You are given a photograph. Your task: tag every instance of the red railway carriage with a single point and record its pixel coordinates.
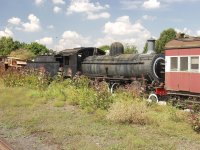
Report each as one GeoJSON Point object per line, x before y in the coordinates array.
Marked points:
{"type": "Point", "coordinates": [182, 71]}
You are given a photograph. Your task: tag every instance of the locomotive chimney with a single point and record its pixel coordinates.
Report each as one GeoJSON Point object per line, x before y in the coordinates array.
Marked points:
{"type": "Point", "coordinates": [151, 45]}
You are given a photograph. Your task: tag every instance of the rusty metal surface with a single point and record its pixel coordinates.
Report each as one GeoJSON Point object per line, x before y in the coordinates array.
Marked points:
{"type": "Point", "coordinates": [4, 145]}
{"type": "Point", "coordinates": [125, 65]}
{"type": "Point", "coordinates": [116, 49]}
{"type": "Point", "coordinates": [183, 43]}
{"type": "Point", "coordinates": [48, 62]}
{"type": "Point", "coordinates": [68, 52]}
{"type": "Point", "coordinates": [182, 52]}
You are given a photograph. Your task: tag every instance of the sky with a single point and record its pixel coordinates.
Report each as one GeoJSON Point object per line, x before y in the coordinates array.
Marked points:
{"type": "Point", "coordinates": [63, 24]}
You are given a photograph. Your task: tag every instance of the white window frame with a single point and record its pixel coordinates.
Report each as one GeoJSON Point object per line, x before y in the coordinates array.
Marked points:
{"type": "Point", "coordinates": [194, 70]}
{"type": "Point", "coordinates": [168, 64]}
{"type": "Point", "coordinates": [174, 70]}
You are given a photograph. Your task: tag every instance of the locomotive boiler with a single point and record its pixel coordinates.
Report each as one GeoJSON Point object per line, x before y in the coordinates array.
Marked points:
{"type": "Point", "coordinates": [120, 66]}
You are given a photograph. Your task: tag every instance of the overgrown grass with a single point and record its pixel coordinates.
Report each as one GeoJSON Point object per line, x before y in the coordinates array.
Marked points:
{"type": "Point", "coordinates": [29, 78]}
{"type": "Point", "coordinates": [79, 92]}
{"type": "Point", "coordinates": [123, 120]}
{"type": "Point", "coordinates": [71, 128]}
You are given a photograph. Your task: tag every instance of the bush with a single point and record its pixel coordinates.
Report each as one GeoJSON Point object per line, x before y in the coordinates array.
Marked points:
{"type": "Point", "coordinates": [23, 54]}
{"type": "Point", "coordinates": [33, 79]}
{"type": "Point", "coordinates": [131, 112]}
{"type": "Point", "coordinates": [79, 92]}
{"type": "Point", "coordinates": [195, 122]}
{"type": "Point", "coordinates": [134, 90]}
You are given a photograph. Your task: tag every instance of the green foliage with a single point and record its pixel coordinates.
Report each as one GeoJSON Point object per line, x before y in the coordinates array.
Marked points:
{"type": "Point", "coordinates": [7, 45]}
{"type": "Point", "coordinates": [124, 106]}
{"type": "Point", "coordinates": [78, 92]}
{"type": "Point", "coordinates": [95, 98]}
{"type": "Point", "coordinates": [22, 54]}
{"type": "Point", "coordinates": [37, 49]}
{"type": "Point", "coordinates": [195, 122]}
{"type": "Point", "coordinates": [131, 123]}
{"type": "Point", "coordinates": [130, 49]}
{"type": "Point", "coordinates": [137, 111]}
{"type": "Point", "coordinates": [104, 47]}
{"type": "Point", "coordinates": [165, 36]}
{"type": "Point", "coordinates": [145, 49]}
{"type": "Point", "coordinates": [33, 79]}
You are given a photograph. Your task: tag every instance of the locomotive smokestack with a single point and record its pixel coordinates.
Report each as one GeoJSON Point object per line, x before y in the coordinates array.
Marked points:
{"type": "Point", "coordinates": [151, 45]}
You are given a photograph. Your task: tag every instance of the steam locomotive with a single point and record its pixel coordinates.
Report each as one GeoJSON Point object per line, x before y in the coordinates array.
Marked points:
{"type": "Point", "coordinates": [177, 72]}
{"type": "Point", "coordinates": [120, 66]}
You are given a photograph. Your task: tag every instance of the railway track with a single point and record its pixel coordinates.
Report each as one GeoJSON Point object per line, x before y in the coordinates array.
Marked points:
{"type": "Point", "coordinates": [4, 145]}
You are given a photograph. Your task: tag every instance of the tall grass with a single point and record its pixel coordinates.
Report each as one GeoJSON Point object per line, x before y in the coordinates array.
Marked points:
{"type": "Point", "coordinates": [126, 105]}
{"type": "Point", "coordinates": [30, 78]}
{"type": "Point", "coordinates": [80, 92]}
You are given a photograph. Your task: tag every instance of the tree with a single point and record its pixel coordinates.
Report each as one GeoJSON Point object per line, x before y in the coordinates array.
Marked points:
{"type": "Point", "coordinates": [7, 45]}
{"type": "Point", "coordinates": [36, 48]}
{"type": "Point", "coordinates": [23, 54]}
{"type": "Point", "coordinates": [165, 36]}
{"type": "Point", "coordinates": [130, 49]}
{"type": "Point", "coordinates": [104, 47]}
{"type": "Point", "coordinates": [145, 49]}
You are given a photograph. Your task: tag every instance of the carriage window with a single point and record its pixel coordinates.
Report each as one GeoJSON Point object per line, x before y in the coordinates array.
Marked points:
{"type": "Point", "coordinates": [184, 63]}
{"type": "Point", "coordinates": [174, 63]}
{"type": "Point", "coordinates": [195, 63]}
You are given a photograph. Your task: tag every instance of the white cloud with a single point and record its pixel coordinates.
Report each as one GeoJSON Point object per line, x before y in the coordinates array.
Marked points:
{"type": "Point", "coordinates": [188, 31]}
{"type": "Point", "coordinates": [33, 25]}
{"type": "Point", "coordinates": [107, 40]}
{"type": "Point", "coordinates": [147, 17]}
{"type": "Point", "coordinates": [151, 4]}
{"type": "Point", "coordinates": [14, 20]}
{"type": "Point", "coordinates": [7, 33]}
{"type": "Point", "coordinates": [147, 4]}
{"type": "Point", "coordinates": [178, 1]}
{"type": "Point", "coordinates": [198, 33]}
{"type": "Point", "coordinates": [130, 4]}
{"type": "Point", "coordinates": [50, 27]}
{"type": "Point", "coordinates": [125, 31]}
{"type": "Point", "coordinates": [57, 9]}
{"type": "Point", "coordinates": [184, 30]}
{"type": "Point", "coordinates": [39, 2]}
{"type": "Point", "coordinates": [122, 26]}
{"type": "Point", "coordinates": [58, 1]}
{"type": "Point", "coordinates": [45, 41]}
{"type": "Point", "coordinates": [71, 39]}
{"type": "Point", "coordinates": [92, 16]}
{"type": "Point", "coordinates": [91, 10]}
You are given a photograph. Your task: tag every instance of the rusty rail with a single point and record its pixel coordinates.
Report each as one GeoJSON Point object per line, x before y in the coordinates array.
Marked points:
{"type": "Point", "coordinates": [4, 145]}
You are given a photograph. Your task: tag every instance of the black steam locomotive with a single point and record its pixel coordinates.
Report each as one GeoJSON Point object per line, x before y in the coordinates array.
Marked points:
{"type": "Point", "coordinates": [115, 67]}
